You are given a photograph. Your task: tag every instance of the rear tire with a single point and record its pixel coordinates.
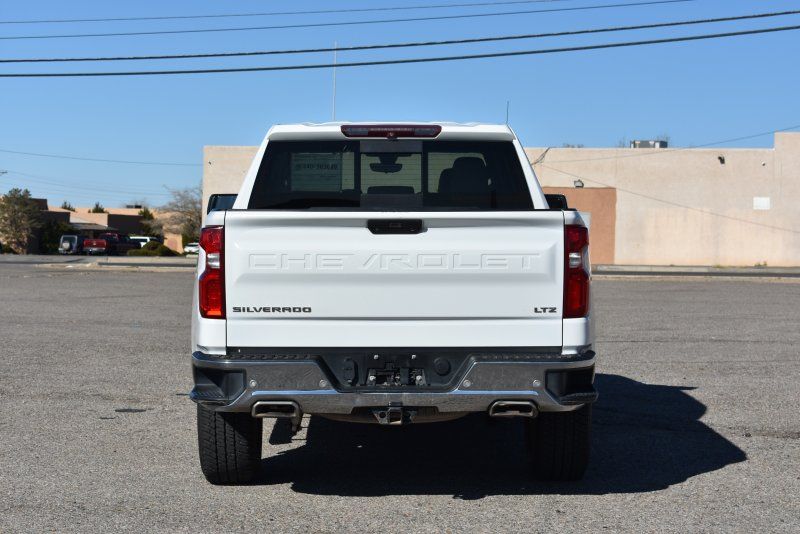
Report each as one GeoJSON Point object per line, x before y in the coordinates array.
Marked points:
{"type": "Point", "coordinates": [560, 443]}
{"type": "Point", "coordinates": [230, 446]}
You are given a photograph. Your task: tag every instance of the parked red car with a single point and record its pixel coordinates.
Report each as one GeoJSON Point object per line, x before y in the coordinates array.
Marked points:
{"type": "Point", "coordinates": [109, 243]}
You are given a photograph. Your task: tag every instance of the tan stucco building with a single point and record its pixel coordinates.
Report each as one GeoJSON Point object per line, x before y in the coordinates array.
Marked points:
{"type": "Point", "coordinates": [709, 206]}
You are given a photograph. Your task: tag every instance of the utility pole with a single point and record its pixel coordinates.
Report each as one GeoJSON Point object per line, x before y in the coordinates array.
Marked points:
{"type": "Point", "coordinates": [507, 106]}
{"type": "Point", "coordinates": [334, 81]}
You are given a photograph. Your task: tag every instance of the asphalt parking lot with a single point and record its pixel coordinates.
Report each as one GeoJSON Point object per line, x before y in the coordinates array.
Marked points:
{"type": "Point", "coordinates": [696, 427]}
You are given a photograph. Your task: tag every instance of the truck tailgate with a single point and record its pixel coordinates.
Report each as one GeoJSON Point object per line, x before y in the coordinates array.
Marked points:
{"type": "Point", "coordinates": [323, 279]}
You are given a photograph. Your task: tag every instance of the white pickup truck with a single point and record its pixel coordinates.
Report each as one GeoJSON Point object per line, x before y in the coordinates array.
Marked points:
{"type": "Point", "coordinates": [392, 274]}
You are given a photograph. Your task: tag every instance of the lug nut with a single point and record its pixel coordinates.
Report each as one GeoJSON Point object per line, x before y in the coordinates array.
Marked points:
{"type": "Point", "coordinates": [253, 383]}
{"type": "Point", "coordinates": [467, 383]}
{"type": "Point", "coordinates": [375, 357]}
{"type": "Point", "coordinates": [536, 383]}
{"type": "Point", "coordinates": [323, 383]}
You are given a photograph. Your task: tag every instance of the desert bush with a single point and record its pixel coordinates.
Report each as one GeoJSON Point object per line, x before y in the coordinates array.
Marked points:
{"type": "Point", "coordinates": [153, 248]}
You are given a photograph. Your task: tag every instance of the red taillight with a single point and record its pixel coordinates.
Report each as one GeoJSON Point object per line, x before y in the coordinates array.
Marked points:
{"type": "Point", "coordinates": [212, 281]}
{"type": "Point", "coordinates": [391, 131]}
{"type": "Point", "coordinates": [576, 278]}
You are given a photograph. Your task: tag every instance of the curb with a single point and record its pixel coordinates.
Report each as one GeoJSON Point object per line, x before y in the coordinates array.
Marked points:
{"type": "Point", "coordinates": [696, 271]}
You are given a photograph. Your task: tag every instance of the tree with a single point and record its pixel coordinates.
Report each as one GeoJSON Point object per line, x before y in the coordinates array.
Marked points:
{"type": "Point", "coordinates": [20, 217]}
{"type": "Point", "coordinates": [150, 225]}
{"type": "Point", "coordinates": [67, 206]}
{"type": "Point", "coordinates": [98, 208]}
{"type": "Point", "coordinates": [184, 212]}
{"type": "Point", "coordinates": [50, 238]}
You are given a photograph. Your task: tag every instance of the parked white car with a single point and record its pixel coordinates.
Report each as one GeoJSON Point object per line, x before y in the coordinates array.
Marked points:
{"type": "Point", "coordinates": [142, 239]}
{"type": "Point", "coordinates": [392, 273]}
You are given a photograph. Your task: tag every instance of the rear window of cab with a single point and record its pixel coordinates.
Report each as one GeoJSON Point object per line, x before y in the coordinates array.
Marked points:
{"type": "Point", "coordinates": [391, 175]}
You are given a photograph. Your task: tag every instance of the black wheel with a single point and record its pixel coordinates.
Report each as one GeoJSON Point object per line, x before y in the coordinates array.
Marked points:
{"type": "Point", "coordinates": [230, 446]}
{"type": "Point", "coordinates": [559, 444]}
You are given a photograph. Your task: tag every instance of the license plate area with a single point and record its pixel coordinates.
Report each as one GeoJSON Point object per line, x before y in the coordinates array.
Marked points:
{"type": "Point", "coordinates": [395, 369]}
{"type": "Point", "coordinates": [392, 377]}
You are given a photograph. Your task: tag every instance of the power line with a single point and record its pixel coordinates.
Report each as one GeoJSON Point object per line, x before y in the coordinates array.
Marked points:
{"type": "Point", "coordinates": [280, 13]}
{"type": "Point", "coordinates": [80, 193]}
{"type": "Point", "coordinates": [87, 191]}
{"type": "Point", "coordinates": [676, 204]}
{"type": "Point", "coordinates": [52, 181]}
{"type": "Point", "coordinates": [672, 150]}
{"type": "Point", "coordinates": [25, 179]}
{"type": "Point", "coordinates": [47, 191]}
{"type": "Point", "coordinates": [413, 44]}
{"type": "Point", "coordinates": [346, 23]}
{"type": "Point", "coordinates": [401, 61]}
{"type": "Point", "coordinates": [61, 156]}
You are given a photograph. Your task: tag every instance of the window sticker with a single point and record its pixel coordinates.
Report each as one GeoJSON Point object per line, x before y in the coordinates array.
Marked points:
{"type": "Point", "coordinates": [316, 171]}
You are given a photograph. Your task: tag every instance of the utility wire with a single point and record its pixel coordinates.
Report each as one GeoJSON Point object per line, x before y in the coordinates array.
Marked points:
{"type": "Point", "coordinates": [57, 183]}
{"type": "Point", "coordinates": [280, 13]}
{"type": "Point", "coordinates": [671, 203]}
{"type": "Point", "coordinates": [347, 23]}
{"type": "Point", "coordinates": [60, 181]}
{"type": "Point", "coordinates": [86, 192]}
{"type": "Point", "coordinates": [73, 186]}
{"type": "Point", "coordinates": [61, 156]}
{"type": "Point", "coordinates": [412, 44]}
{"type": "Point", "coordinates": [672, 150]}
{"type": "Point", "coordinates": [401, 61]}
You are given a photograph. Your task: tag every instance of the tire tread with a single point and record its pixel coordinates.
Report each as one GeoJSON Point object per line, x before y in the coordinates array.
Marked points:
{"type": "Point", "coordinates": [229, 445]}
{"type": "Point", "coordinates": [560, 444]}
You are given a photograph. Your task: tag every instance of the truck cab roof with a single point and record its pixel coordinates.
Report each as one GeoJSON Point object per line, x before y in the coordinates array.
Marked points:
{"type": "Point", "coordinates": [451, 131]}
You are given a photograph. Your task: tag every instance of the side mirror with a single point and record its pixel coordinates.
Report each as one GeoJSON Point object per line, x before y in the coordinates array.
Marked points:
{"type": "Point", "coordinates": [557, 202]}
{"type": "Point", "coordinates": [220, 202]}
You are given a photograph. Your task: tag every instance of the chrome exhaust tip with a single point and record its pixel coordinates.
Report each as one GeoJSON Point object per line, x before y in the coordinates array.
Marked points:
{"type": "Point", "coordinates": [275, 409]}
{"type": "Point", "coordinates": [513, 409]}
{"type": "Point", "coordinates": [278, 410]}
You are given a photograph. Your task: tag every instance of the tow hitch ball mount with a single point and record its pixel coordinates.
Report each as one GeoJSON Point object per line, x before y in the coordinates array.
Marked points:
{"type": "Point", "coordinates": [394, 415]}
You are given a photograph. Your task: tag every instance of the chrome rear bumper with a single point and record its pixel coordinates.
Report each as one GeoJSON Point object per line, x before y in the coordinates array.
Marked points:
{"type": "Point", "coordinates": [236, 385]}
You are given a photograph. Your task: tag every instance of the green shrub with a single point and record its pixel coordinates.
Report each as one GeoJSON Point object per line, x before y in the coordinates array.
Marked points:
{"type": "Point", "coordinates": [50, 238]}
{"type": "Point", "coordinates": [152, 248]}
{"type": "Point", "coordinates": [164, 250]}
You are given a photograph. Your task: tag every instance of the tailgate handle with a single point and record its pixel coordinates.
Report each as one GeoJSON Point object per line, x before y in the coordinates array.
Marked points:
{"type": "Point", "coordinates": [395, 226]}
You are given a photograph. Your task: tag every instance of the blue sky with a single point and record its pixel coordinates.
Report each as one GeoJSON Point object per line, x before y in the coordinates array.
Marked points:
{"type": "Point", "coordinates": [693, 92]}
